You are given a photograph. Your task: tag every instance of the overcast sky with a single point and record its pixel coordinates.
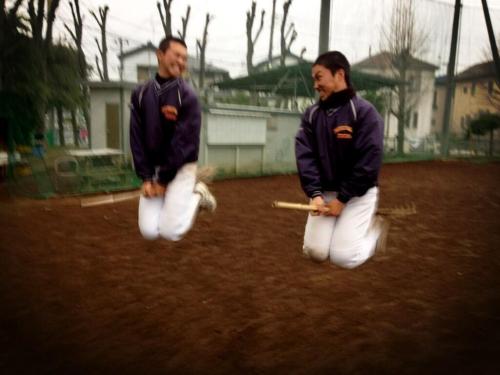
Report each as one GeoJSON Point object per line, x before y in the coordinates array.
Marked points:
{"type": "Point", "coordinates": [355, 27]}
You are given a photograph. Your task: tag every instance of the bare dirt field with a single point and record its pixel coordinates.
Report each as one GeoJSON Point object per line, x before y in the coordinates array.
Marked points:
{"type": "Point", "coordinates": [82, 292]}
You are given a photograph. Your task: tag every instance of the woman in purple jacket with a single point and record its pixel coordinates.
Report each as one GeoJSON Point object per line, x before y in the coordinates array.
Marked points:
{"type": "Point", "coordinates": [339, 149]}
{"type": "Point", "coordinates": [165, 123]}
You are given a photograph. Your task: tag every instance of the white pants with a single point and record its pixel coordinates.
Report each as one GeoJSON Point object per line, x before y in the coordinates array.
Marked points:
{"type": "Point", "coordinates": [349, 239]}
{"type": "Point", "coordinates": [172, 215]}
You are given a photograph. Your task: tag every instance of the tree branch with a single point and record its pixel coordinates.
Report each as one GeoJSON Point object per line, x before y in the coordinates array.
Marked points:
{"type": "Point", "coordinates": [260, 27]}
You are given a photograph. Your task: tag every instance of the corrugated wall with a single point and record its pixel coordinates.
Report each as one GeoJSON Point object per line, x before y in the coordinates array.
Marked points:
{"type": "Point", "coordinates": [244, 140]}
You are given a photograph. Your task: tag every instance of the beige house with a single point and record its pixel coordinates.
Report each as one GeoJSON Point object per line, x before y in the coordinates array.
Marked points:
{"type": "Point", "coordinates": [140, 64]}
{"type": "Point", "coordinates": [475, 92]}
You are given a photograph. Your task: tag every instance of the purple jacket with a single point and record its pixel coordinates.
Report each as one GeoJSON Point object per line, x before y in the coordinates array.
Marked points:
{"type": "Point", "coordinates": [339, 148]}
{"type": "Point", "coordinates": [165, 122]}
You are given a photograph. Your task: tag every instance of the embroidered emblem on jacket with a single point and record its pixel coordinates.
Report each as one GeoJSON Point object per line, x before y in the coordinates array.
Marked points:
{"type": "Point", "coordinates": [170, 112]}
{"type": "Point", "coordinates": [343, 131]}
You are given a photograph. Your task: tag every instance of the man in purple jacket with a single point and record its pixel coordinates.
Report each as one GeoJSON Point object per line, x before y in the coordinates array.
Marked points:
{"type": "Point", "coordinates": [165, 123]}
{"type": "Point", "coordinates": [339, 149]}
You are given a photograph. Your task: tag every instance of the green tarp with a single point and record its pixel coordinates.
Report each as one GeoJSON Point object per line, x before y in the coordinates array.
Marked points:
{"type": "Point", "coordinates": [296, 80]}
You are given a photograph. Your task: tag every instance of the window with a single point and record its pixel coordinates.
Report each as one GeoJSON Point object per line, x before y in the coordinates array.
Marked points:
{"type": "Point", "coordinates": [490, 87]}
{"type": "Point", "coordinates": [415, 120]}
{"type": "Point", "coordinates": [434, 100]}
{"type": "Point", "coordinates": [465, 89]}
{"type": "Point", "coordinates": [473, 89]}
{"type": "Point", "coordinates": [433, 122]}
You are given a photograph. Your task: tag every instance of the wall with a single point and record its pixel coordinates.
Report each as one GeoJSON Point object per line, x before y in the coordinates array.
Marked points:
{"type": "Point", "coordinates": [469, 103]}
{"type": "Point", "coordinates": [245, 140]}
{"type": "Point", "coordinates": [99, 97]}
{"type": "Point", "coordinates": [143, 58]}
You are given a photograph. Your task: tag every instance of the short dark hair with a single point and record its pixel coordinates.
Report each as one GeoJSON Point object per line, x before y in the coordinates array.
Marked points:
{"type": "Point", "coordinates": [333, 61]}
{"type": "Point", "coordinates": [165, 42]}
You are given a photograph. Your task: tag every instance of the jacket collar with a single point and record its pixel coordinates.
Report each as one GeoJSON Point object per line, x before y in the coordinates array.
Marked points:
{"type": "Point", "coordinates": [337, 99]}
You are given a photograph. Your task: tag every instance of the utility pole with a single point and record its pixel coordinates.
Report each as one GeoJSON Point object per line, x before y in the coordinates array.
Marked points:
{"type": "Point", "coordinates": [324, 26]}
{"type": "Point", "coordinates": [450, 81]}
{"type": "Point", "coordinates": [491, 36]}
{"type": "Point", "coordinates": [120, 117]}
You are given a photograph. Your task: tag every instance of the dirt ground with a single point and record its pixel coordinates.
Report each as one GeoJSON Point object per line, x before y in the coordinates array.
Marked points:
{"type": "Point", "coordinates": [82, 292]}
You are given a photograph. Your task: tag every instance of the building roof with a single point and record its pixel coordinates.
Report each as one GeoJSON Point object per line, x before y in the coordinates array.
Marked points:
{"type": "Point", "coordinates": [275, 61]}
{"type": "Point", "coordinates": [382, 60]}
{"type": "Point", "coordinates": [193, 62]}
{"type": "Point", "coordinates": [478, 71]}
{"type": "Point", "coordinates": [134, 51]}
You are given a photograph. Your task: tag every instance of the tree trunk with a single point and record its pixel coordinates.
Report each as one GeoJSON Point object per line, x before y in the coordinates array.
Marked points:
{"type": "Point", "coordinates": [286, 6]}
{"type": "Point", "coordinates": [102, 47]}
{"type": "Point", "coordinates": [202, 45]}
{"type": "Point", "coordinates": [402, 113]}
{"type": "Point", "coordinates": [76, 139]}
{"type": "Point", "coordinates": [270, 53]}
{"type": "Point", "coordinates": [60, 123]}
{"type": "Point", "coordinates": [491, 142]}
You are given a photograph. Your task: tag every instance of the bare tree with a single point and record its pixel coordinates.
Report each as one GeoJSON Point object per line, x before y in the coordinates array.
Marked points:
{"type": "Point", "coordinates": [291, 30]}
{"type": "Point", "coordinates": [7, 16]}
{"type": "Point", "coordinates": [185, 21]}
{"type": "Point", "coordinates": [302, 51]}
{"type": "Point", "coordinates": [403, 41]}
{"type": "Point", "coordinates": [42, 44]}
{"type": "Point", "coordinates": [103, 47]}
{"type": "Point", "coordinates": [51, 15]}
{"type": "Point", "coordinates": [166, 20]}
{"type": "Point", "coordinates": [202, 46]}
{"type": "Point", "coordinates": [36, 17]}
{"type": "Point", "coordinates": [252, 40]}
{"type": "Point", "coordinates": [77, 36]}
{"type": "Point", "coordinates": [270, 53]}
{"type": "Point", "coordinates": [284, 44]}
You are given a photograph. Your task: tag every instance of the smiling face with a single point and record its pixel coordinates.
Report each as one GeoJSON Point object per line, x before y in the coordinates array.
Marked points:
{"type": "Point", "coordinates": [172, 63]}
{"type": "Point", "coordinates": [326, 83]}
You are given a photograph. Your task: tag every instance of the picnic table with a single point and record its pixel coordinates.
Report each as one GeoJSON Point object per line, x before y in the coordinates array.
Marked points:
{"type": "Point", "coordinates": [100, 169]}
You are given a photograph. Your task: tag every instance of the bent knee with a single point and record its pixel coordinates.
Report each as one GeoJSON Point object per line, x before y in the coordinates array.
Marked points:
{"type": "Point", "coordinates": [316, 253]}
{"type": "Point", "coordinates": [171, 233]}
{"type": "Point", "coordinates": [149, 233]}
{"type": "Point", "coordinates": [344, 262]}
{"type": "Point", "coordinates": [346, 259]}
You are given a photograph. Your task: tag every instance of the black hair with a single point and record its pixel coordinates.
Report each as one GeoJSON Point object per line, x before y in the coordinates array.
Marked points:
{"type": "Point", "coordinates": [165, 42]}
{"type": "Point", "coordinates": [333, 61]}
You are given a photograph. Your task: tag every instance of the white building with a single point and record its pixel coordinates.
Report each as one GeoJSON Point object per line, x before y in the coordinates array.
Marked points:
{"type": "Point", "coordinates": [110, 114]}
{"type": "Point", "coordinates": [421, 76]}
{"type": "Point", "coordinates": [140, 64]}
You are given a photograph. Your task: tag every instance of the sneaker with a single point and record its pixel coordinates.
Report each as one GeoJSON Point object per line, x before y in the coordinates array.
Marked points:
{"type": "Point", "coordinates": [207, 201]}
{"type": "Point", "coordinates": [382, 226]}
